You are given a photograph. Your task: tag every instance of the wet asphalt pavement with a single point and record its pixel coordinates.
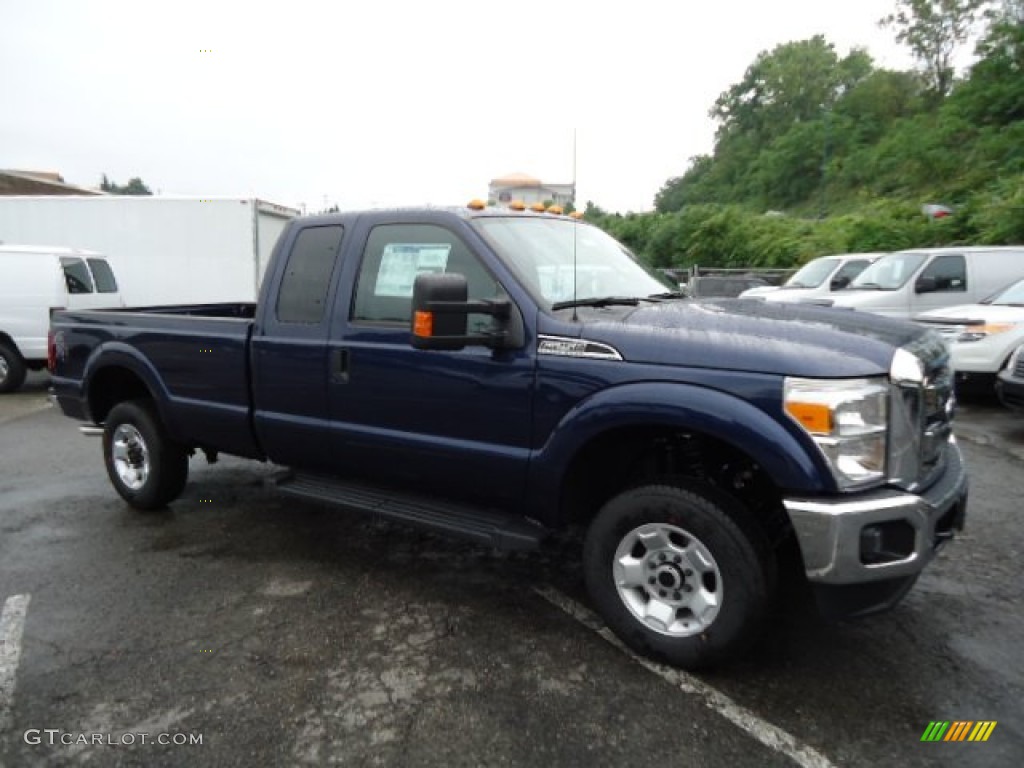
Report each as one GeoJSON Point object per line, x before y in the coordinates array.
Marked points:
{"type": "Point", "coordinates": [291, 634]}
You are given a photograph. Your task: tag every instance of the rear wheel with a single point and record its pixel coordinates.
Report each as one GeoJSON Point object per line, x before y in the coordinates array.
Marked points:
{"type": "Point", "coordinates": [679, 575]}
{"type": "Point", "coordinates": [12, 368]}
{"type": "Point", "coordinates": [146, 467]}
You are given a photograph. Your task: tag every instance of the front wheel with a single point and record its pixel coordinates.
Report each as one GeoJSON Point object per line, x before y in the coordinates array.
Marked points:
{"type": "Point", "coordinates": [679, 575]}
{"type": "Point", "coordinates": [12, 368]}
{"type": "Point", "coordinates": [144, 465]}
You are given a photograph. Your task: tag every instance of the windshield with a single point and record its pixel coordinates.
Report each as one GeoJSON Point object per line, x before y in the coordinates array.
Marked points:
{"type": "Point", "coordinates": [540, 251]}
{"type": "Point", "coordinates": [889, 272]}
{"type": "Point", "coordinates": [812, 274]}
{"type": "Point", "coordinates": [1009, 297]}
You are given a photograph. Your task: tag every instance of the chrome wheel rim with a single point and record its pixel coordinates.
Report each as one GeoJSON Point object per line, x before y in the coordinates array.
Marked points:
{"type": "Point", "coordinates": [5, 369]}
{"type": "Point", "coordinates": [130, 456]}
{"type": "Point", "coordinates": [668, 579]}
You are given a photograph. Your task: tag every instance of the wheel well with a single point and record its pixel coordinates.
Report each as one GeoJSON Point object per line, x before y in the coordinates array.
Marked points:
{"type": "Point", "coordinates": [626, 457]}
{"type": "Point", "coordinates": [5, 339]}
{"type": "Point", "coordinates": [113, 385]}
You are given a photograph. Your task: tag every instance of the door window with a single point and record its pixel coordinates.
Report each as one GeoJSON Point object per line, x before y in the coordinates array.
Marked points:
{"type": "Point", "coordinates": [396, 253]}
{"type": "Point", "coordinates": [307, 275]}
{"type": "Point", "coordinates": [76, 276]}
{"type": "Point", "coordinates": [949, 271]}
{"type": "Point", "coordinates": [103, 275]}
{"type": "Point", "coordinates": [850, 270]}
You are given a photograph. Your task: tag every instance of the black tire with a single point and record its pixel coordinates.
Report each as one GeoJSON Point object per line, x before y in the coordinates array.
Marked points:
{"type": "Point", "coordinates": [12, 368]}
{"type": "Point", "coordinates": [741, 579]}
{"type": "Point", "coordinates": [165, 462]}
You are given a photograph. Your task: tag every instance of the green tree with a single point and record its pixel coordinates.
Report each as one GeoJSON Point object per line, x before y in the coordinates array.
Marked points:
{"type": "Point", "coordinates": [135, 186]}
{"type": "Point", "coordinates": [793, 83]}
{"type": "Point", "coordinates": [934, 30]}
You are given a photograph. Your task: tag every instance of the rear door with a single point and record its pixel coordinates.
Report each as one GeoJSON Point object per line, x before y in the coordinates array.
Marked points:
{"type": "Point", "coordinates": [454, 423]}
{"type": "Point", "coordinates": [289, 350]}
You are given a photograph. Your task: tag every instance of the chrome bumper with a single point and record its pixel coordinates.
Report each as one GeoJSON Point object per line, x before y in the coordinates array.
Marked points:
{"type": "Point", "coordinates": [829, 530]}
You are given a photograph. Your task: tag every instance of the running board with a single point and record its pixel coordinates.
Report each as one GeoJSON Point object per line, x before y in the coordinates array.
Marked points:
{"type": "Point", "coordinates": [505, 532]}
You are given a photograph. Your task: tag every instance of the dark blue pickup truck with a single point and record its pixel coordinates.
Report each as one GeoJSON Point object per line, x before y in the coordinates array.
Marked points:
{"type": "Point", "coordinates": [501, 375]}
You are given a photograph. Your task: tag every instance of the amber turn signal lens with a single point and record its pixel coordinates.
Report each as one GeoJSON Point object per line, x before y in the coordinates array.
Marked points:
{"type": "Point", "coordinates": [423, 324]}
{"type": "Point", "coordinates": [815, 417]}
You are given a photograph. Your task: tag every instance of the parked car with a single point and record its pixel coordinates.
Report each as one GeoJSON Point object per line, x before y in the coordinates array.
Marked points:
{"type": "Point", "coordinates": [718, 286]}
{"type": "Point", "coordinates": [431, 366]}
{"type": "Point", "coordinates": [981, 336]}
{"type": "Point", "coordinates": [1010, 381]}
{"type": "Point", "coordinates": [908, 283]}
{"type": "Point", "coordinates": [35, 280]}
{"type": "Point", "coordinates": [819, 277]}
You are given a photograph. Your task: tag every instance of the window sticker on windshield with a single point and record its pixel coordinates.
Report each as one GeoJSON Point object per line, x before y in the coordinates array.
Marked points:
{"type": "Point", "coordinates": [401, 262]}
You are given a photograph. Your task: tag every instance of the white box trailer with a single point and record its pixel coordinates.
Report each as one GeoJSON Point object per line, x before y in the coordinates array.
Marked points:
{"type": "Point", "coordinates": [165, 250]}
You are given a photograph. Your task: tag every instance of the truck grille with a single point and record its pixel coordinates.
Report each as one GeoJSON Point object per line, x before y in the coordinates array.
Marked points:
{"type": "Point", "coordinates": [937, 423]}
{"type": "Point", "coordinates": [922, 414]}
{"type": "Point", "coordinates": [1018, 370]}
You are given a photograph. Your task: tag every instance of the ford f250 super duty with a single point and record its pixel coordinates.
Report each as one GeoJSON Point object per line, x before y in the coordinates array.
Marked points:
{"type": "Point", "coordinates": [501, 375]}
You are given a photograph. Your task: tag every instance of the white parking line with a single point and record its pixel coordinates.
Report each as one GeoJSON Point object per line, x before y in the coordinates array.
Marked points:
{"type": "Point", "coordinates": [766, 733]}
{"type": "Point", "coordinates": [12, 623]}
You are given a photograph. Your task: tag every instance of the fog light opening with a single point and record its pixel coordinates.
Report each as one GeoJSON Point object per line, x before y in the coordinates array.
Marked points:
{"type": "Point", "coordinates": [887, 542]}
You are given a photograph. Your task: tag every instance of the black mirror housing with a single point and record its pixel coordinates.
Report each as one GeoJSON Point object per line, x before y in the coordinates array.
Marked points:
{"type": "Point", "coordinates": [441, 310]}
{"type": "Point", "coordinates": [926, 285]}
{"type": "Point", "coordinates": [839, 283]}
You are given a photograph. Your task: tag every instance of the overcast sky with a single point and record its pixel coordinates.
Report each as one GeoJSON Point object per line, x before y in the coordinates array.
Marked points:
{"type": "Point", "coordinates": [388, 102]}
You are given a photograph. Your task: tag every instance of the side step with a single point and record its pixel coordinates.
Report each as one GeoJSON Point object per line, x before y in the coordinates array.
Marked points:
{"type": "Point", "coordinates": [505, 532]}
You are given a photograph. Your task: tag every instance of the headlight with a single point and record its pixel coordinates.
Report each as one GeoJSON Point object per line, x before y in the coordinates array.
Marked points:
{"type": "Point", "coordinates": [1011, 365]}
{"type": "Point", "coordinates": [848, 420]}
{"type": "Point", "coordinates": [979, 332]}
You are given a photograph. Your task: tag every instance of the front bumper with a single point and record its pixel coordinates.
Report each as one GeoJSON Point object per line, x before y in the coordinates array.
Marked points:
{"type": "Point", "coordinates": [886, 535]}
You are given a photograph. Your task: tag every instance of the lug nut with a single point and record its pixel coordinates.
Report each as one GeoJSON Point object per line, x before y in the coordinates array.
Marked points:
{"type": "Point", "coordinates": [651, 580]}
{"type": "Point", "coordinates": [687, 588]}
{"type": "Point", "coordinates": [687, 573]}
{"type": "Point", "coordinates": [662, 557]}
{"type": "Point", "coordinates": [676, 596]}
{"type": "Point", "coordinates": [677, 559]}
{"type": "Point", "coordinates": [661, 593]}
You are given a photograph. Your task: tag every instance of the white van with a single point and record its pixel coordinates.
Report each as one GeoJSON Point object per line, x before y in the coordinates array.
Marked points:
{"type": "Point", "coordinates": [817, 278]}
{"type": "Point", "coordinates": [906, 283]}
{"type": "Point", "coordinates": [35, 279]}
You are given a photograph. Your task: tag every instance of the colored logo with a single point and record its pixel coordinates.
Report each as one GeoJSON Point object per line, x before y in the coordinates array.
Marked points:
{"type": "Point", "coordinates": [958, 730]}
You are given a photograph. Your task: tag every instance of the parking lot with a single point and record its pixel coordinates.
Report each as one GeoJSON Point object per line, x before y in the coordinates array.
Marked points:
{"type": "Point", "coordinates": [292, 634]}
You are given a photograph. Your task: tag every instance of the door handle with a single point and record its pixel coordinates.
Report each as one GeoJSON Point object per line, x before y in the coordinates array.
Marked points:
{"type": "Point", "coordinates": [339, 365]}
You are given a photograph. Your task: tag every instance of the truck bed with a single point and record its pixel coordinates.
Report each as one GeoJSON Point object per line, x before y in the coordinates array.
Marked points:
{"type": "Point", "coordinates": [196, 356]}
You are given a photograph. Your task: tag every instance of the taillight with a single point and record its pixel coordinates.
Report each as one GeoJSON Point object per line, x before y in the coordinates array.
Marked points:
{"type": "Point", "coordinates": [51, 352]}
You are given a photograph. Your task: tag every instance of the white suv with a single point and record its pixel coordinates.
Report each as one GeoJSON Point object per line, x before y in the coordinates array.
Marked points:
{"type": "Point", "coordinates": [981, 336]}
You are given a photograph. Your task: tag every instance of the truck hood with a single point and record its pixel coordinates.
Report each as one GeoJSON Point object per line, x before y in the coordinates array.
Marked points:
{"type": "Point", "coordinates": [752, 335]}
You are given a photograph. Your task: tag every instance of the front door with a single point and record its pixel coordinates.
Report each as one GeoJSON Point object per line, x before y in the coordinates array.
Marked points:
{"type": "Point", "coordinates": [452, 423]}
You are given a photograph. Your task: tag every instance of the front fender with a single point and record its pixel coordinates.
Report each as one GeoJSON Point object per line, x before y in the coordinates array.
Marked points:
{"type": "Point", "coordinates": [792, 464]}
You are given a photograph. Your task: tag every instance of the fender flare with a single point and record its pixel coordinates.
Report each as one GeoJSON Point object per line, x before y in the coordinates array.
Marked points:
{"type": "Point", "coordinates": [117, 354]}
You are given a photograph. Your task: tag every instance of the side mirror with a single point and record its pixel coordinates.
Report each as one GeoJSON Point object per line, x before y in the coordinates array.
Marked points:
{"type": "Point", "coordinates": [441, 310]}
{"type": "Point", "coordinates": [926, 285]}
{"type": "Point", "coordinates": [839, 283]}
